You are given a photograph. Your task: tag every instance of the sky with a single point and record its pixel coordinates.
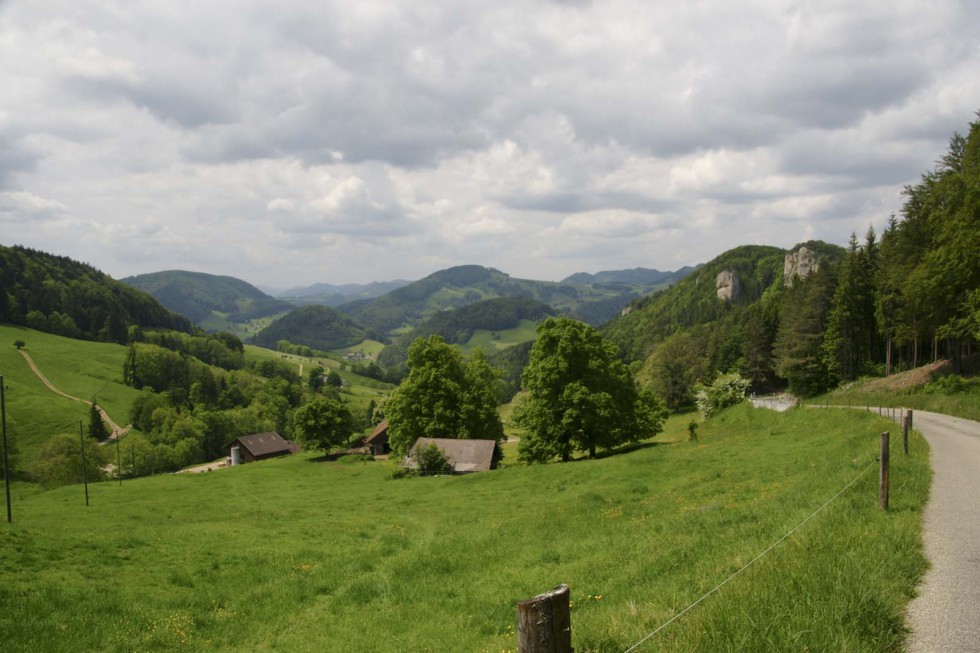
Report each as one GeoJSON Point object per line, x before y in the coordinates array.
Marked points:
{"type": "Point", "coordinates": [290, 143]}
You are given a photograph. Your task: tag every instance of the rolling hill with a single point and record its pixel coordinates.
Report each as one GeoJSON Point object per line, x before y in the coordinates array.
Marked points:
{"type": "Point", "coordinates": [319, 327]}
{"type": "Point", "coordinates": [59, 295]}
{"type": "Point", "coordinates": [408, 307]}
{"type": "Point", "coordinates": [491, 318]}
{"type": "Point", "coordinates": [332, 295]}
{"type": "Point", "coordinates": [212, 302]}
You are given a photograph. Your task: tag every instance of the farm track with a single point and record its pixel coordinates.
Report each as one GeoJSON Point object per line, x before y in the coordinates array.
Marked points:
{"type": "Point", "coordinates": [117, 431]}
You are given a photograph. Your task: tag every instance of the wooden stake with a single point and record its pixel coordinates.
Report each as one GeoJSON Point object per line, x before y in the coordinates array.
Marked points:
{"type": "Point", "coordinates": [6, 462]}
{"type": "Point", "coordinates": [81, 441]}
{"type": "Point", "coordinates": [544, 623]}
{"type": "Point", "coordinates": [910, 418]}
{"type": "Point", "coordinates": [883, 477]}
{"type": "Point", "coordinates": [905, 434]}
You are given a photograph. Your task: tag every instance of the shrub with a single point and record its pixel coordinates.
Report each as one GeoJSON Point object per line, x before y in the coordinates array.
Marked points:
{"type": "Point", "coordinates": [726, 390]}
{"type": "Point", "coordinates": [950, 384]}
{"type": "Point", "coordinates": [431, 460]}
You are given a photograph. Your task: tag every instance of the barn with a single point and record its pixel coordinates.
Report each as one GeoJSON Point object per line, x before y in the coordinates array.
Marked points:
{"type": "Point", "coordinates": [465, 456]}
{"type": "Point", "coordinates": [378, 440]}
{"type": "Point", "coordinates": [260, 446]}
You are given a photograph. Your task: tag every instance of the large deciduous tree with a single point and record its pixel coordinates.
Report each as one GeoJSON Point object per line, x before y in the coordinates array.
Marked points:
{"type": "Point", "coordinates": [444, 396]}
{"type": "Point", "coordinates": [323, 423]}
{"type": "Point", "coordinates": [579, 395]}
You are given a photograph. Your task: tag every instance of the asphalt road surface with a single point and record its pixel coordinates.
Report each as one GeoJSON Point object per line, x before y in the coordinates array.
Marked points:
{"type": "Point", "coordinates": [945, 617]}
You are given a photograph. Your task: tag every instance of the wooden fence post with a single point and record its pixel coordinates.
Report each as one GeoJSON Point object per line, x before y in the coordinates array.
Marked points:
{"type": "Point", "coordinates": [910, 417]}
{"type": "Point", "coordinates": [905, 434]}
{"type": "Point", "coordinates": [544, 623]}
{"type": "Point", "coordinates": [883, 477]}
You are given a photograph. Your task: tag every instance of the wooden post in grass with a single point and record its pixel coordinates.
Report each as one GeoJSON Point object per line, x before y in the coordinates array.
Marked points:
{"type": "Point", "coordinates": [909, 415]}
{"type": "Point", "coordinates": [544, 624]}
{"type": "Point", "coordinates": [905, 434]}
{"type": "Point", "coordinates": [6, 463]}
{"type": "Point", "coordinates": [883, 477]}
{"type": "Point", "coordinates": [81, 442]}
{"type": "Point", "coordinates": [118, 461]}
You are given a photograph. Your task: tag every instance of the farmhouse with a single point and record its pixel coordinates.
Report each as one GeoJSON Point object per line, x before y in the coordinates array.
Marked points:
{"type": "Point", "coordinates": [260, 446]}
{"type": "Point", "coordinates": [377, 442]}
{"type": "Point", "coordinates": [465, 456]}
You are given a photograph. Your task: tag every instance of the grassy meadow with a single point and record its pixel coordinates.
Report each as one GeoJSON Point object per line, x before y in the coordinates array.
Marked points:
{"type": "Point", "coordinates": [80, 368]}
{"type": "Point", "coordinates": [297, 554]}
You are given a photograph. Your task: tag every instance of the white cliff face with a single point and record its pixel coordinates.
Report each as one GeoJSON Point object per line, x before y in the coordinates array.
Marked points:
{"type": "Point", "coordinates": [728, 285]}
{"type": "Point", "coordinates": [801, 263]}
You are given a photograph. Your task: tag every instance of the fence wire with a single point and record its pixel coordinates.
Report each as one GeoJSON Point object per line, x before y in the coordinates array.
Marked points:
{"type": "Point", "coordinates": [751, 562]}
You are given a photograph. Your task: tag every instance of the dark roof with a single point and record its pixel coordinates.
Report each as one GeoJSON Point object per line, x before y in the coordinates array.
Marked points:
{"type": "Point", "coordinates": [380, 431]}
{"type": "Point", "coordinates": [262, 444]}
{"type": "Point", "coordinates": [463, 455]}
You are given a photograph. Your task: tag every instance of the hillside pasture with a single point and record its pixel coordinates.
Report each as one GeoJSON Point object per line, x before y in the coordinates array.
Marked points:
{"type": "Point", "coordinates": [496, 340]}
{"type": "Point", "coordinates": [80, 368]}
{"type": "Point", "coordinates": [298, 555]}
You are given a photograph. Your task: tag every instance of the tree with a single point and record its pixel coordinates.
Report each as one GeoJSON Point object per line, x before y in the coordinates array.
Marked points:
{"type": "Point", "coordinates": [323, 423]}
{"type": "Point", "coordinates": [443, 397]}
{"type": "Point", "coordinates": [334, 380]}
{"type": "Point", "coordinates": [315, 379]}
{"type": "Point", "coordinates": [96, 427]}
{"type": "Point", "coordinates": [579, 395]}
{"type": "Point", "coordinates": [19, 344]}
{"type": "Point", "coordinates": [431, 460]}
{"type": "Point", "coordinates": [60, 461]}
{"type": "Point", "coordinates": [726, 390]}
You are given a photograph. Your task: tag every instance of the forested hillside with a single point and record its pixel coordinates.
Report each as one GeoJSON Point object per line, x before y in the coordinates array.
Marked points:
{"type": "Point", "coordinates": [885, 303]}
{"type": "Point", "coordinates": [409, 306]}
{"type": "Point", "coordinates": [319, 327]}
{"type": "Point", "coordinates": [59, 295]}
{"type": "Point", "coordinates": [458, 326]}
{"type": "Point", "coordinates": [199, 296]}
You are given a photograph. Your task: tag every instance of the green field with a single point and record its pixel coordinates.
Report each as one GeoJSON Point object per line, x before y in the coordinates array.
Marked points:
{"type": "Point", "coordinates": [296, 554]}
{"type": "Point", "coordinates": [80, 368]}
{"type": "Point", "coordinates": [495, 340]}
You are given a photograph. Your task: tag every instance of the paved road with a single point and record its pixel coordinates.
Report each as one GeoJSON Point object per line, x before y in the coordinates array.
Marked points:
{"type": "Point", "coordinates": [946, 614]}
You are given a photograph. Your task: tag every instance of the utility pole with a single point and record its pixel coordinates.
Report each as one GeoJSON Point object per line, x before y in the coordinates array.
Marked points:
{"type": "Point", "coordinates": [81, 441]}
{"type": "Point", "coordinates": [6, 464]}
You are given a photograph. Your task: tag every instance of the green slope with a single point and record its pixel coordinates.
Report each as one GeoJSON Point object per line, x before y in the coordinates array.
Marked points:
{"type": "Point", "coordinates": [291, 554]}
{"type": "Point", "coordinates": [319, 327]}
{"type": "Point", "coordinates": [80, 368]}
{"type": "Point", "coordinates": [211, 301]}
{"type": "Point", "coordinates": [409, 306]}
{"type": "Point", "coordinates": [694, 300]}
{"type": "Point", "coordinates": [59, 295]}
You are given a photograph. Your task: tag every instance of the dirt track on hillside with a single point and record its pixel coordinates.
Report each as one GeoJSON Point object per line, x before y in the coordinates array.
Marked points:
{"type": "Point", "coordinates": [117, 431]}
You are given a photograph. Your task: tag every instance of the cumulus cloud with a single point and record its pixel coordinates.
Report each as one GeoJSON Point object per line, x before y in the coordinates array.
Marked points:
{"type": "Point", "coordinates": [332, 141]}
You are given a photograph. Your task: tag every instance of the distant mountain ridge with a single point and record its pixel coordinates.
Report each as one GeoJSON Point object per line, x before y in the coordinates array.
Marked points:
{"type": "Point", "coordinates": [452, 288]}
{"type": "Point", "coordinates": [208, 298]}
{"type": "Point", "coordinates": [634, 276]}
{"type": "Point", "coordinates": [334, 295]}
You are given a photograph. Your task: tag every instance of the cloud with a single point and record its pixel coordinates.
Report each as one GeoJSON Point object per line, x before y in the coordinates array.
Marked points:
{"type": "Point", "coordinates": [333, 141]}
{"type": "Point", "coordinates": [22, 206]}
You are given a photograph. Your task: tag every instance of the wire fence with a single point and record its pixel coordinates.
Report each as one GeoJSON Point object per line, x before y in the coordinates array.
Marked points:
{"type": "Point", "coordinates": [751, 562]}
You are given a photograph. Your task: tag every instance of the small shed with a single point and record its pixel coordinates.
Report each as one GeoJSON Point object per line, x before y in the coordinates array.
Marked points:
{"type": "Point", "coordinates": [260, 446]}
{"type": "Point", "coordinates": [378, 440]}
{"type": "Point", "coordinates": [465, 456]}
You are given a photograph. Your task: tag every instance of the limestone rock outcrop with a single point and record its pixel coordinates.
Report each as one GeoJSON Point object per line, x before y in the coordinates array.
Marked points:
{"type": "Point", "coordinates": [801, 263]}
{"type": "Point", "coordinates": [728, 285]}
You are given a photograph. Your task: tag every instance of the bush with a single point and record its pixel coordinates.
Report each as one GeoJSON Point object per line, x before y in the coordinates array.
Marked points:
{"type": "Point", "coordinates": [950, 384]}
{"type": "Point", "coordinates": [431, 460]}
{"type": "Point", "coordinates": [726, 390]}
